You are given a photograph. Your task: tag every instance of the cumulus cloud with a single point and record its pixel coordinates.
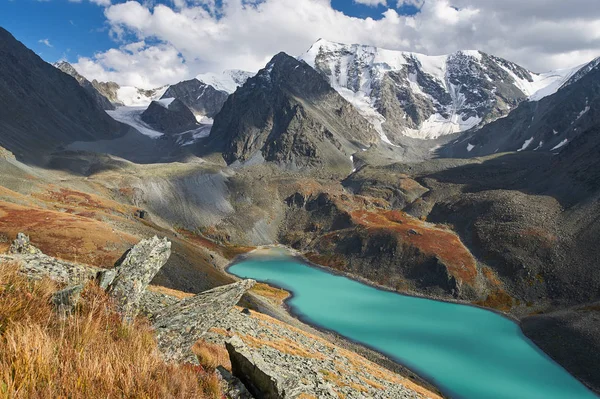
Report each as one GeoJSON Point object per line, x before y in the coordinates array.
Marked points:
{"type": "Point", "coordinates": [193, 36]}
{"type": "Point", "coordinates": [372, 3]}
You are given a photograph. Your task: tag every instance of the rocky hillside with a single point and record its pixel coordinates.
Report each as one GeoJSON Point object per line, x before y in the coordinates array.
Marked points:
{"type": "Point", "coordinates": [289, 114]}
{"type": "Point", "coordinates": [93, 88]}
{"type": "Point", "coordinates": [41, 107]}
{"type": "Point", "coordinates": [545, 125]}
{"type": "Point", "coordinates": [169, 116]}
{"type": "Point", "coordinates": [427, 96]}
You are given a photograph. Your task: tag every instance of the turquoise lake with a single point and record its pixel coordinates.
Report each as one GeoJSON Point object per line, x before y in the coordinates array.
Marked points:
{"type": "Point", "coordinates": [467, 352]}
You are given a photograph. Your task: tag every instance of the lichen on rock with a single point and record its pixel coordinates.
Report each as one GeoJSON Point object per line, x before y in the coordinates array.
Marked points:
{"type": "Point", "coordinates": [180, 325]}
{"type": "Point", "coordinates": [135, 271]}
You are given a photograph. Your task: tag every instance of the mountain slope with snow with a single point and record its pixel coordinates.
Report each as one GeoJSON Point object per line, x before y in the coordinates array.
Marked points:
{"type": "Point", "coordinates": [228, 81]}
{"type": "Point", "coordinates": [549, 124]}
{"type": "Point", "coordinates": [426, 97]}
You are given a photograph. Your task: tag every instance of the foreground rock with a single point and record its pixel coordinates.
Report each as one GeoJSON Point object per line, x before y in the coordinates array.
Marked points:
{"type": "Point", "coordinates": [290, 356]}
{"type": "Point", "coordinates": [256, 374]}
{"type": "Point", "coordinates": [135, 272]}
{"type": "Point", "coordinates": [180, 325]}
{"type": "Point", "coordinates": [66, 300]}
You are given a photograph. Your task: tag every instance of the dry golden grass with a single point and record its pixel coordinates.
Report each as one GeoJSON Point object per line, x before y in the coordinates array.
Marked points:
{"type": "Point", "coordinates": [89, 354]}
{"type": "Point", "coordinates": [275, 295]}
{"type": "Point", "coordinates": [168, 291]}
{"type": "Point", "coordinates": [210, 356]}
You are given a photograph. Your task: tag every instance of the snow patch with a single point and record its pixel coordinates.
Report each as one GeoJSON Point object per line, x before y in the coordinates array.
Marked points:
{"type": "Point", "coordinates": [165, 102]}
{"type": "Point", "coordinates": [470, 147]}
{"type": "Point", "coordinates": [559, 145]}
{"type": "Point", "coordinates": [525, 144]}
{"type": "Point", "coordinates": [436, 126]}
{"type": "Point", "coordinates": [227, 81]}
{"type": "Point", "coordinates": [585, 110]}
{"type": "Point", "coordinates": [132, 116]}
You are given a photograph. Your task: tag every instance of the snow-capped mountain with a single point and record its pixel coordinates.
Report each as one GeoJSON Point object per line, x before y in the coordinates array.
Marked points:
{"type": "Point", "coordinates": [227, 81]}
{"type": "Point", "coordinates": [421, 96]}
{"type": "Point", "coordinates": [206, 94]}
{"type": "Point", "coordinates": [549, 124]}
{"type": "Point", "coordinates": [131, 96]}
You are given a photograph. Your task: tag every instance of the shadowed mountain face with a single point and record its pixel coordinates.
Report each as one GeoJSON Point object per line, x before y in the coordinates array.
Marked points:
{"type": "Point", "coordinates": [200, 98]}
{"type": "Point", "coordinates": [90, 87]}
{"type": "Point", "coordinates": [41, 107]}
{"type": "Point", "coordinates": [545, 125]}
{"type": "Point", "coordinates": [290, 115]}
{"type": "Point", "coordinates": [173, 117]}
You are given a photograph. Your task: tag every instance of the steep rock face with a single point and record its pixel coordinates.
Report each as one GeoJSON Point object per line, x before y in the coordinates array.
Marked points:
{"type": "Point", "coordinates": [90, 87]}
{"type": "Point", "coordinates": [544, 125]}
{"type": "Point", "coordinates": [288, 114]}
{"type": "Point", "coordinates": [108, 90]}
{"type": "Point", "coordinates": [41, 107]}
{"type": "Point", "coordinates": [422, 96]}
{"type": "Point", "coordinates": [200, 98]}
{"type": "Point", "coordinates": [169, 116]}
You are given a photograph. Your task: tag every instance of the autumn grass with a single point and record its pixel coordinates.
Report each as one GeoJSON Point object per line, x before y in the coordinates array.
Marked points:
{"type": "Point", "coordinates": [89, 354]}
{"type": "Point", "coordinates": [211, 356]}
{"type": "Point", "coordinates": [273, 294]}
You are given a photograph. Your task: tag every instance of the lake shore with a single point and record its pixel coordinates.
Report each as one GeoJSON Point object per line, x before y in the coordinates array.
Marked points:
{"type": "Point", "coordinates": [275, 252]}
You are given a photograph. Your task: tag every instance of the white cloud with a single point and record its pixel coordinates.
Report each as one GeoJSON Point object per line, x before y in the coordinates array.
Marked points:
{"type": "Point", "coordinates": [199, 35]}
{"type": "Point", "coordinates": [372, 3]}
{"type": "Point", "coordinates": [45, 42]}
{"type": "Point", "coordinates": [103, 3]}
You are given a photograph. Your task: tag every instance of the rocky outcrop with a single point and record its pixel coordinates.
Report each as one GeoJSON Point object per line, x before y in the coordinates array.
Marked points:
{"type": "Point", "coordinates": [288, 114]}
{"type": "Point", "coordinates": [232, 386]}
{"type": "Point", "coordinates": [135, 271]}
{"type": "Point", "coordinates": [256, 374]}
{"type": "Point", "coordinates": [36, 265]}
{"type": "Point", "coordinates": [22, 245]}
{"type": "Point", "coordinates": [287, 361]}
{"type": "Point", "coordinates": [66, 300]}
{"type": "Point", "coordinates": [180, 325]}
{"type": "Point", "coordinates": [169, 116]}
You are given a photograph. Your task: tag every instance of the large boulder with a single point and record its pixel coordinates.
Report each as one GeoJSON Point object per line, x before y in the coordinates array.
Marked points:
{"type": "Point", "coordinates": [250, 367]}
{"type": "Point", "coordinates": [135, 271]}
{"type": "Point", "coordinates": [180, 325]}
{"type": "Point", "coordinates": [22, 245]}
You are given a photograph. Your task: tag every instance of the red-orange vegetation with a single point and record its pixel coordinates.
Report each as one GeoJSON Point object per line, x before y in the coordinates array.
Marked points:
{"type": "Point", "coordinates": [429, 239]}
{"type": "Point", "coordinates": [70, 237]}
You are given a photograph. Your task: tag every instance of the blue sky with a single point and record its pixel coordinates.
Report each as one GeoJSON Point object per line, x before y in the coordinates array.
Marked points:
{"type": "Point", "coordinates": [76, 29]}
{"type": "Point", "coordinates": [150, 43]}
